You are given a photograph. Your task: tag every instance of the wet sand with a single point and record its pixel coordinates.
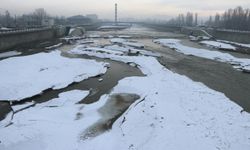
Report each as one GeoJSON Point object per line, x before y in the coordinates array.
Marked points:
{"type": "Point", "coordinates": [5, 108]}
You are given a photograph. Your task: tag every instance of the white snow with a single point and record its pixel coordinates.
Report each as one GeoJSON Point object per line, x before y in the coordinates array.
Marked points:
{"type": "Point", "coordinates": [116, 50]}
{"type": "Point", "coordinates": [177, 113]}
{"type": "Point", "coordinates": [17, 108]}
{"type": "Point", "coordinates": [54, 46]}
{"type": "Point", "coordinates": [94, 36]}
{"type": "Point", "coordinates": [23, 77]}
{"type": "Point", "coordinates": [112, 27]}
{"type": "Point", "coordinates": [124, 36]}
{"type": "Point", "coordinates": [127, 43]}
{"type": "Point", "coordinates": [246, 69]}
{"type": "Point", "coordinates": [134, 44]}
{"type": "Point", "coordinates": [9, 54]}
{"type": "Point", "coordinates": [117, 40]}
{"type": "Point", "coordinates": [74, 38]}
{"type": "Point", "coordinates": [235, 43]}
{"type": "Point", "coordinates": [6, 121]}
{"type": "Point", "coordinates": [103, 51]}
{"type": "Point", "coordinates": [108, 36]}
{"type": "Point", "coordinates": [173, 112]}
{"type": "Point", "coordinates": [194, 38]}
{"type": "Point", "coordinates": [71, 30]}
{"type": "Point", "coordinates": [55, 124]}
{"type": "Point", "coordinates": [5, 29]}
{"type": "Point", "coordinates": [218, 45]}
{"type": "Point", "coordinates": [87, 41]}
{"type": "Point", "coordinates": [204, 53]}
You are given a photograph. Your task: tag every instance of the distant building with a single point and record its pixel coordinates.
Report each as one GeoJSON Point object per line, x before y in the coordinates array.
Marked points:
{"type": "Point", "coordinates": [78, 20]}
{"type": "Point", "coordinates": [48, 22]}
{"type": "Point", "coordinates": [93, 17]}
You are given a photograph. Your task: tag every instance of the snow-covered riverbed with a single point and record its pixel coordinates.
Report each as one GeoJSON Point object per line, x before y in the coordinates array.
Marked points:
{"type": "Point", "coordinates": [238, 63]}
{"type": "Point", "coordinates": [26, 76]}
{"type": "Point", "coordinates": [173, 112]}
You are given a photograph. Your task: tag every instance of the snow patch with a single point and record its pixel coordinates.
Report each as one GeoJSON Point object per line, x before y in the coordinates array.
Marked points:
{"type": "Point", "coordinates": [54, 46]}
{"type": "Point", "coordinates": [127, 43]}
{"type": "Point", "coordinates": [175, 113]}
{"type": "Point", "coordinates": [218, 45]}
{"type": "Point", "coordinates": [55, 124]}
{"type": "Point", "coordinates": [26, 76]}
{"type": "Point", "coordinates": [204, 53]}
{"type": "Point", "coordinates": [9, 54]}
{"type": "Point", "coordinates": [235, 43]}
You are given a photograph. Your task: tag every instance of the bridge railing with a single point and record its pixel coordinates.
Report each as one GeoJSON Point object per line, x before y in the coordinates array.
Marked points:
{"type": "Point", "coordinates": [15, 31]}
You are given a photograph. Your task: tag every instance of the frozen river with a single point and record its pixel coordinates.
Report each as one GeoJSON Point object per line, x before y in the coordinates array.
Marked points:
{"type": "Point", "coordinates": [123, 90]}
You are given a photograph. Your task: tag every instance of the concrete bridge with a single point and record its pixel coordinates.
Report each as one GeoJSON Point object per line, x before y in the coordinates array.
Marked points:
{"type": "Point", "coordinates": [13, 38]}
{"type": "Point", "coordinates": [16, 31]}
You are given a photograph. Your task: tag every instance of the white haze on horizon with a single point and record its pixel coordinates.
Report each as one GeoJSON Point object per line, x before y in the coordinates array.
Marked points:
{"type": "Point", "coordinates": [141, 9]}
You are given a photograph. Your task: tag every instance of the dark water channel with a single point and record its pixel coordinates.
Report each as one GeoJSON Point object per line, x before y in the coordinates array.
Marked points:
{"type": "Point", "coordinates": [115, 106]}
{"type": "Point", "coordinates": [97, 88]}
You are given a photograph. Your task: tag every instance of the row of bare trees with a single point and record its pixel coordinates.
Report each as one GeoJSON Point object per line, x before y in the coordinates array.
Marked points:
{"type": "Point", "coordinates": [189, 19]}
{"type": "Point", "coordinates": [235, 19]}
{"type": "Point", "coordinates": [33, 19]}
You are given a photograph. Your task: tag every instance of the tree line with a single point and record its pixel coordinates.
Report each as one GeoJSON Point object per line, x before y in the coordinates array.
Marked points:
{"type": "Point", "coordinates": [34, 19]}
{"type": "Point", "coordinates": [189, 19]}
{"type": "Point", "coordinates": [233, 19]}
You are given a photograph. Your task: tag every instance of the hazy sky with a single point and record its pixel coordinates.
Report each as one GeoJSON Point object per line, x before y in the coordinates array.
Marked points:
{"type": "Point", "coordinates": [126, 8]}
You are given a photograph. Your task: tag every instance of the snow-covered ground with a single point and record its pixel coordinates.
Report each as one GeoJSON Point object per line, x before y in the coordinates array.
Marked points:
{"type": "Point", "coordinates": [176, 113]}
{"type": "Point", "coordinates": [127, 43]}
{"type": "Point", "coordinates": [9, 54]}
{"type": "Point", "coordinates": [118, 40]}
{"type": "Point", "coordinates": [235, 43]}
{"type": "Point", "coordinates": [246, 69]}
{"type": "Point", "coordinates": [239, 63]}
{"type": "Point", "coordinates": [125, 36]}
{"type": "Point", "coordinates": [94, 36]}
{"type": "Point", "coordinates": [26, 76]}
{"type": "Point", "coordinates": [198, 38]}
{"type": "Point", "coordinates": [50, 125]}
{"type": "Point", "coordinates": [54, 46]}
{"type": "Point", "coordinates": [173, 112]}
{"type": "Point", "coordinates": [5, 29]}
{"type": "Point", "coordinates": [218, 45]}
{"type": "Point", "coordinates": [113, 27]}
{"type": "Point", "coordinates": [127, 49]}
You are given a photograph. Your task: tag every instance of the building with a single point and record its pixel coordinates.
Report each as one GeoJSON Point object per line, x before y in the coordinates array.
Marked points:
{"type": "Point", "coordinates": [48, 22]}
{"type": "Point", "coordinates": [93, 17]}
{"type": "Point", "coordinates": [78, 20]}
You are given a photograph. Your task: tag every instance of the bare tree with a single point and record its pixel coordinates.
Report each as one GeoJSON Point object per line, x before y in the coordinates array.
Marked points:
{"type": "Point", "coordinates": [236, 19]}
{"type": "Point", "coordinates": [217, 20]}
{"type": "Point", "coordinates": [7, 18]}
{"type": "Point", "coordinates": [196, 19]}
{"type": "Point", "coordinates": [40, 14]}
{"type": "Point", "coordinates": [189, 19]}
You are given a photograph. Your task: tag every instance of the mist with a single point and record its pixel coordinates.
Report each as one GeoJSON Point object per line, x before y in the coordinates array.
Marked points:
{"type": "Point", "coordinates": [139, 9]}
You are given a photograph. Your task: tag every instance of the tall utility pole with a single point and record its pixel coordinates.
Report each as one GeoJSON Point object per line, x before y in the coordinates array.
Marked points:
{"type": "Point", "coordinates": [115, 14]}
